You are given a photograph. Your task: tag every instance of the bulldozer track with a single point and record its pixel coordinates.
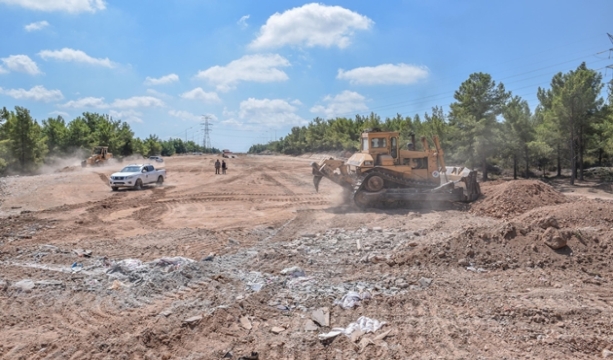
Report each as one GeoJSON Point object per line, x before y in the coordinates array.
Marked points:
{"type": "Point", "coordinates": [406, 183]}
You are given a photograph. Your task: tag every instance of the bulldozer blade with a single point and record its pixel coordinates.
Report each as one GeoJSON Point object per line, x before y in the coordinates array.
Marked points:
{"type": "Point", "coordinates": [316, 181]}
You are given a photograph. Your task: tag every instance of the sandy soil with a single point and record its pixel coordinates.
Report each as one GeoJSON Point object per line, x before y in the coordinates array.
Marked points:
{"type": "Point", "coordinates": [234, 266]}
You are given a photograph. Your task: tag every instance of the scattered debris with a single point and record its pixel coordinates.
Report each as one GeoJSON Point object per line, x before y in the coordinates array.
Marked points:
{"type": "Point", "coordinates": [364, 324]}
{"type": "Point", "coordinates": [353, 299]}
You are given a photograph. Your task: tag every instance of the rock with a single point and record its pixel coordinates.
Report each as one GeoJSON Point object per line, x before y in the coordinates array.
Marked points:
{"type": "Point", "coordinates": [552, 238]}
{"type": "Point", "coordinates": [294, 271]}
{"type": "Point", "coordinates": [321, 316]}
{"type": "Point", "coordinates": [356, 335]}
{"type": "Point", "coordinates": [193, 320]}
{"type": "Point", "coordinates": [308, 235]}
{"type": "Point", "coordinates": [82, 253]}
{"type": "Point", "coordinates": [309, 325]}
{"type": "Point", "coordinates": [424, 282]}
{"type": "Point", "coordinates": [377, 228]}
{"type": "Point", "coordinates": [463, 262]}
{"type": "Point", "coordinates": [166, 313]}
{"type": "Point", "coordinates": [277, 329]}
{"type": "Point", "coordinates": [254, 356]}
{"type": "Point", "coordinates": [413, 244]}
{"type": "Point", "coordinates": [245, 323]}
{"type": "Point", "coordinates": [232, 241]}
{"type": "Point", "coordinates": [24, 285]}
{"type": "Point", "coordinates": [441, 254]}
{"type": "Point", "coordinates": [607, 353]}
{"type": "Point", "coordinates": [49, 282]}
{"type": "Point", "coordinates": [547, 223]}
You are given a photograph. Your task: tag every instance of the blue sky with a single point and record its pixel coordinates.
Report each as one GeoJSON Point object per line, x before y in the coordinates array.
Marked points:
{"type": "Point", "coordinates": [257, 68]}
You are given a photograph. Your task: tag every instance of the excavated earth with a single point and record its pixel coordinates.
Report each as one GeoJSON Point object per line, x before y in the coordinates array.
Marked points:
{"type": "Point", "coordinates": [257, 265]}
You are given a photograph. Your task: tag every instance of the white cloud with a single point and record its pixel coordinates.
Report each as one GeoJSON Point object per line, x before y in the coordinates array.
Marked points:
{"type": "Point", "coordinates": [37, 93]}
{"type": "Point", "coordinates": [70, 6]}
{"type": "Point", "coordinates": [199, 94]}
{"type": "Point", "coordinates": [345, 104]}
{"type": "Point", "coordinates": [63, 114]}
{"type": "Point", "coordinates": [384, 74]}
{"type": "Point", "coordinates": [158, 93]}
{"type": "Point", "coordinates": [166, 79]}
{"type": "Point", "coordinates": [133, 102]}
{"type": "Point", "coordinates": [3, 70]}
{"type": "Point", "coordinates": [255, 68]}
{"type": "Point", "coordinates": [184, 115]}
{"type": "Point", "coordinates": [88, 102]}
{"type": "Point", "coordinates": [21, 63]}
{"type": "Point", "coordinates": [270, 112]}
{"type": "Point", "coordinates": [129, 116]}
{"type": "Point", "coordinates": [72, 55]}
{"type": "Point", "coordinates": [137, 101]}
{"type": "Point", "coordinates": [242, 22]}
{"type": "Point", "coordinates": [36, 26]}
{"type": "Point", "coordinates": [311, 25]}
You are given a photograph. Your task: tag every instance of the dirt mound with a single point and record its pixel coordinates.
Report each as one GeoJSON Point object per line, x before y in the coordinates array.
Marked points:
{"type": "Point", "coordinates": [580, 213]}
{"type": "Point", "coordinates": [513, 198]}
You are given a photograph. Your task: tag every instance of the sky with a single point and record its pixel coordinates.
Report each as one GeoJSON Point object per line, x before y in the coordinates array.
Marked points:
{"type": "Point", "coordinates": [255, 69]}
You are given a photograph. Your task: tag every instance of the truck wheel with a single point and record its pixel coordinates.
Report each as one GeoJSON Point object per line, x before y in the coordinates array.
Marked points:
{"type": "Point", "coordinates": [160, 181]}
{"type": "Point", "coordinates": [114, 188]}
{"type": "Point", "coordinates": [138, 185]}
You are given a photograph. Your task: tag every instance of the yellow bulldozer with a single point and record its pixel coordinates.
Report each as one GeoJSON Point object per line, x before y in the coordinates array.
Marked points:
{"type": "Point", "coordinates": [100, 156]}
{"type": "Point", "coordinates": [383, 174]}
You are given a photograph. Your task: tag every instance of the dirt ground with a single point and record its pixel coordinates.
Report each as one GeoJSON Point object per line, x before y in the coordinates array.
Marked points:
{"type": "Point", "coordinates": [256, 265]}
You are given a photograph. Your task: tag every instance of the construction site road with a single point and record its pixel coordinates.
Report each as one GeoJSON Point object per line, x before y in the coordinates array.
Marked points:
{"type": "Point", "coordinates": [255, 264]}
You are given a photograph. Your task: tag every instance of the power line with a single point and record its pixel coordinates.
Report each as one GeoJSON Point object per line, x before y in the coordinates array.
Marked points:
{"type": "Point", "coordinates": [610, 50]}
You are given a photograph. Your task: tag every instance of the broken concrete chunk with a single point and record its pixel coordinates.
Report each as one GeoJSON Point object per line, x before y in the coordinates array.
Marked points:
{"type": "Point", "coordinates": [553, 238]}
{"type": "Point", "coordinates": [309, 325]}
{"type": "Point", "coordinates": [547, 223]}
{"type": "Point", "coordinates": [424, 282]}
{"type": "Point", "coordinates": [321, 316]}
{"type": "Point", "coordinates": [294, 271]}
{"type": "Point", "coordinates": [245, 323]}
{"type": "Point", "coordinates": [193, 320]}
{"type": "Point", "coordinates": [277, 329]}
{"type": "Point", "coordinates": [24, 285]}
{"type": "Point", "coordinates": [82, 253]}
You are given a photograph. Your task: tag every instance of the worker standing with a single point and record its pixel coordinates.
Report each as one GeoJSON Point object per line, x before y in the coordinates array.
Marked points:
{"type": "Point", "coordinates": [224, 167]}
{"type": "Point", "coordinates": [217, 166]}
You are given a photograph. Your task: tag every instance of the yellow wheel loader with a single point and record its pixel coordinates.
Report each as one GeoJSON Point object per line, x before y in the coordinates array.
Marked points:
{"type": "Point", "coordinates": [383, 174]}
{"type": "Point", "coordinates": [100, 155]}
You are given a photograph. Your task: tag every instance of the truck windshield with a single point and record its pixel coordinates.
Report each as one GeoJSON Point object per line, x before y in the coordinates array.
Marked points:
{"type": "Point", "coordinates": [131, 169]}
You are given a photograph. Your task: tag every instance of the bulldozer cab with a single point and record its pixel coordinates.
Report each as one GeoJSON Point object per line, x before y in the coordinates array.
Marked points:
{"type": "Point", "coordinates": [100, 150]}
{"type": "Point", "coordinates": [382, 146]}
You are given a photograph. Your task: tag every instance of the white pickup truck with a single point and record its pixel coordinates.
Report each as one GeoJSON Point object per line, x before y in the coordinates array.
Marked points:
{"type": "Point", "coordinates": [136, 176]}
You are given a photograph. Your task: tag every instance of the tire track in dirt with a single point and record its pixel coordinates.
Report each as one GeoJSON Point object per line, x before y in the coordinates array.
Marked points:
{"type": "Point", "coordinates": [276, 182]}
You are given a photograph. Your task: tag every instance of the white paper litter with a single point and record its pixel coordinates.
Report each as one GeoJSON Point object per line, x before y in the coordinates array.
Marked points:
{"type": "Point", "coordinates": [352, 299]}
{"type": "Point", "coordinates": [364, 324]}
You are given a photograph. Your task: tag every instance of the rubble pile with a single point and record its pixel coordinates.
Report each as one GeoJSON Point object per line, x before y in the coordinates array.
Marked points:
{"type": "Point", "coordinates": [512, 198]}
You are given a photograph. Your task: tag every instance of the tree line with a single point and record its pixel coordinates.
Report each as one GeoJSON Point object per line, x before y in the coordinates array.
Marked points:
{"type": "Point", "coordinates": [25, 144]}
{"type": "Point", "coordinates": [571, 127]}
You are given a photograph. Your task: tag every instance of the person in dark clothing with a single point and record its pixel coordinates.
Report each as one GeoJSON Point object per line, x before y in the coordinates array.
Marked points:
{"type": "Point", "coordinates": [224, 167]}
{"type": "Point", "coordinates": [217, 166]}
